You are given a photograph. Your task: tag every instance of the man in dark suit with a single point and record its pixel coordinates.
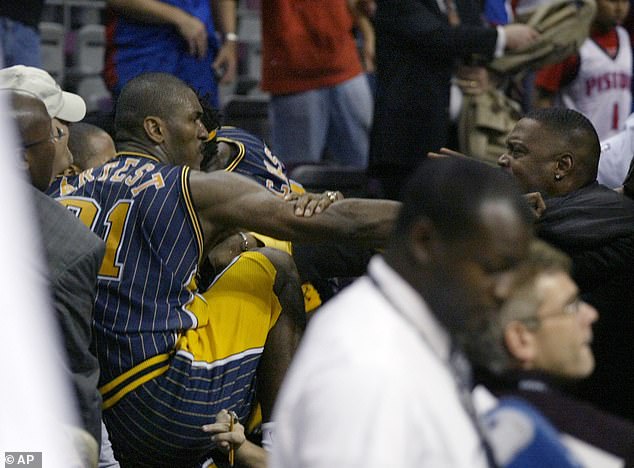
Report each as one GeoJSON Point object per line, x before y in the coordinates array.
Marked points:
{"type": "Point", "coordinates": [418, 47]}
{"type": "Point", "coordinates": [73, 255]}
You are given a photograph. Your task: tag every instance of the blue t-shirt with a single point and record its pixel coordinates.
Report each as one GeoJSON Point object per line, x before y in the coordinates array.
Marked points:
{"type": "Point", "coordinates": [133, 48]}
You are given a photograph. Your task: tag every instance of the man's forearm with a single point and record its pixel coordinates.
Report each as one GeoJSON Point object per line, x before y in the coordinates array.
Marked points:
{"type": "Point", "coordinates": [251, 455]}
{"type": "Point", "coordinates": [365, 222]}
{"type": "Point", "coordinates": [372, 220]}
{"type": "Point", "coordinates": [225, 200]}
{"type": "Point", "coordinates": [225, 12]}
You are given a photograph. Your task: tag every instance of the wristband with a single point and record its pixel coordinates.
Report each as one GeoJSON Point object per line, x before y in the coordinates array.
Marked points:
{"type": "Point", "coordinates": [231, 37]}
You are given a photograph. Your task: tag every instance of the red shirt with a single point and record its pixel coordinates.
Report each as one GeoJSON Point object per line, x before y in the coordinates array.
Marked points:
{"type": "Point", "coordinates": [307, 44]}
{"type": "Point", "coordinates": [554, 77]}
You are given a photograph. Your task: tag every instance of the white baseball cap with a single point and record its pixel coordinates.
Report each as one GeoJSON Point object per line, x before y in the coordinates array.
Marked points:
{"type": "Point", "coordinates": [61, 104]}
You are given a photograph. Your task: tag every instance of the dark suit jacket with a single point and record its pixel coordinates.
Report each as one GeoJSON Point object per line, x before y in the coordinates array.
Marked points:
{"type": "Point", "coordinates": [595, 226]}
{"type": "Point", "coordinates": [416, 50]}
{"type": "Point", "coordinates": [73, 257]}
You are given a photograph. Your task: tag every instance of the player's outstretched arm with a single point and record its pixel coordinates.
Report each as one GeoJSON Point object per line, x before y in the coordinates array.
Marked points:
{"type": "Point", "coordinates": [225, 200]}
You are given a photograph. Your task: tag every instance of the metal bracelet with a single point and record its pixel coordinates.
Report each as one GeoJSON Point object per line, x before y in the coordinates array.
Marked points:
{"type": "Point", "coordinates": [244, 245]}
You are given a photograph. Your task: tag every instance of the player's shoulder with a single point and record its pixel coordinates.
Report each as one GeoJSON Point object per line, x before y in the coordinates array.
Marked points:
{"type": "Point", "coordinates": [238, 134]}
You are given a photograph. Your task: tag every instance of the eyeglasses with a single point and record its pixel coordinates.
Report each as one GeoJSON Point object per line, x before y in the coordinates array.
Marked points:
{"type": "Point", "coordinates": [569, 310]}
{"type": "Point", "coordinates": [56, 134]}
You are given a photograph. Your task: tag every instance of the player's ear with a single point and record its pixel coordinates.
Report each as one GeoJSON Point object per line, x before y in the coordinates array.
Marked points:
{"type": "Point", "coordinates": [421, 236]}
{"type": "Point", "coordinates": [154, 128]}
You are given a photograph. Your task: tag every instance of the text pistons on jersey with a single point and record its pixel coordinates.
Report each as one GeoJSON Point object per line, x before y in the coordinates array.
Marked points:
{"type": "Point", "coordinates": [607, 81]}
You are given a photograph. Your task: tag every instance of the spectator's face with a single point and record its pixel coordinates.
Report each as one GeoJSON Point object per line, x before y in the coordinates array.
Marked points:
{"type": "Point", "coordinates": [185, 133]}
{"type": "Point", "coordinates": [611, 13]}
{"type": "Point", "coordinates": [482, 268]}
{"type": "Point", "coordinates": [563, 331]}
{"type": "Point", "coordinates": [39, 152]}
{"type": "Point", "coordinates": [63, 157]}
{"type": "Point", "coordinates": [531, 156]}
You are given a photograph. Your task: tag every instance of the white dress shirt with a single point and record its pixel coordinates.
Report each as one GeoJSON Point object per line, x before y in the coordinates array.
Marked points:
{"type": "Point", "coordinates": [370, 387]}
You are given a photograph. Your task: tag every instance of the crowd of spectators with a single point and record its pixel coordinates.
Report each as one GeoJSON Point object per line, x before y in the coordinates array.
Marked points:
{"type": "Point", "coordinates": [215, 312]}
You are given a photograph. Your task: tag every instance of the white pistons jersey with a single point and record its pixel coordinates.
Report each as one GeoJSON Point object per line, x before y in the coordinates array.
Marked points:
{"type": "Point", "coordinates": [601, 90]}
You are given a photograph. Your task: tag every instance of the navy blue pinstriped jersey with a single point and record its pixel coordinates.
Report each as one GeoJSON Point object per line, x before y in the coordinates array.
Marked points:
{"type": "Point", "coordinates": [255, 160]}
{"type": "Point", "coordinates": [142, 209]}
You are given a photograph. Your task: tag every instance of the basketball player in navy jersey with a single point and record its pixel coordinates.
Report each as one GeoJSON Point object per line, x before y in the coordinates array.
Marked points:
{"type": "Point", "coordinates": [172, 355]}
{"type": "Point", "coordinates": [234, 149]}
